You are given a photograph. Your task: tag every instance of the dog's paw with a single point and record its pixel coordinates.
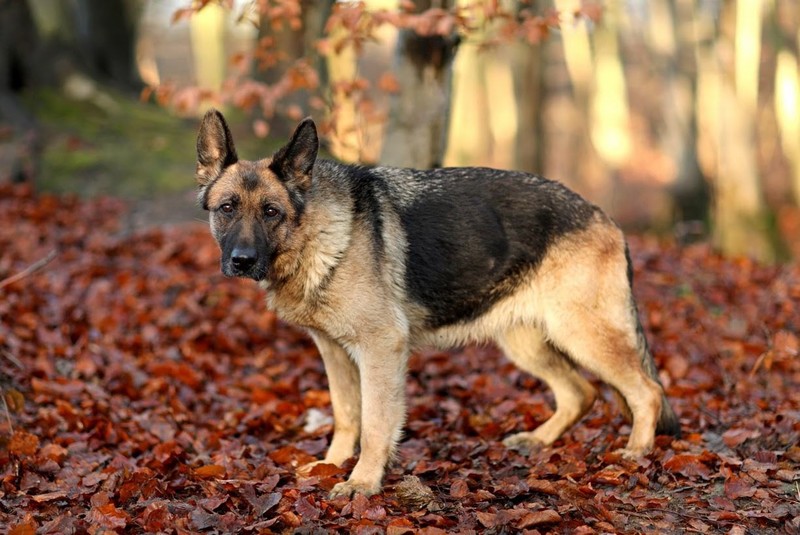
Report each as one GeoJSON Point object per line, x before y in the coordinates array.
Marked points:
{"type": "Point", "coordinates": [632, 454]}
{"type": "Point", "coordinates": [350, 488]}
{"type": "Point", "coordinates": [524, 443]}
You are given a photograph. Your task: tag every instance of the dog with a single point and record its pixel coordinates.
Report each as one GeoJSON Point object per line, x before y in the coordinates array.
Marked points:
{"type": "Point", "coordinates": [375, 262]}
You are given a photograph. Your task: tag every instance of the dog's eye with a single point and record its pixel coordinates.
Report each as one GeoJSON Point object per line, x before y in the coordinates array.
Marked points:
{"type": "Point", "coordinates": [271, 211]}
{"type": "Point", "coordinates": [226, 208]}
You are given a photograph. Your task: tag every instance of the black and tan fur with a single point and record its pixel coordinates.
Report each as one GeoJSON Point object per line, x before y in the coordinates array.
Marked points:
{"type": "Point", "coordinates": [376, 262]}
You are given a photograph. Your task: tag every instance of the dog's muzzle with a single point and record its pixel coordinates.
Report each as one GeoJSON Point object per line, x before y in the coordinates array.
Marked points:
{"type": "Point", "coordinates": [244, 262]}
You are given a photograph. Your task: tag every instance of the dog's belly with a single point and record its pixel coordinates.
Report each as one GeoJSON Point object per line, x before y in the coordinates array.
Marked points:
{"type": "Point", "coordinates": [520, 307]}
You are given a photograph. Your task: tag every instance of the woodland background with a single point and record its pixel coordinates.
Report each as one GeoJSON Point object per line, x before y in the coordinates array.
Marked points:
{"type": "Point", "coordinates": [677, 116]}
{"type": "Point", "coordinates": [143, 392]}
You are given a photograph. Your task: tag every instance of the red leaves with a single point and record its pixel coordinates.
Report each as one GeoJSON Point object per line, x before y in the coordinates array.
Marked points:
{"type": "Point", "coordinates": [25, 528]}
{"type": "Point", "coordinates": [735, 437]}
{"type": "Point", "coordinates": [690, 465]}
{"type": "Point", "coordinates": [739, 487]}
{"type": "Point", "coordinates": [108, 516]}
{"type": "Point", "coordinates": [210, 471]}
{"type": "Point", "coordinates": [23, 444]}
{"type": "Point", "coordinates": [154, 395]}
{"type": "Point", "coordinates": [388, 83]}
{"type": "Point", "coordinates": [156, 517]}
{"type": "Point", "coordinates": [519, 518]}
{"type": "Point", "coordinates": [459, 489]}
{"type": "Point", "coordinates": [307, 509]}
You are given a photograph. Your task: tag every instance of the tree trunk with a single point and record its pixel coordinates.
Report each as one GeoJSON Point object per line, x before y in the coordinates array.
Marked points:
{"type": "Point", "coordinates": [529, 89]}
{"type": "Point", "coordinates": [575, 160]}
{"type": "Point", "coordinates": [95, 38]}
{"type": "Point", "coordinates": [675, 53]}
{"type": "Point", "coordinates": [292, 45]}
{"type": "Point", "coordinates": [56, 43]}
{"type": "Point", "coordinates": [207, 30]}
{"type": "Point", "coordinates": [18, 40]}
{"type": "Point", "coordinates": [419, 114]}
{"type": "Point", "coordinates": [740, 223]}
{"type": "Point", "coordinates": [109, 39]}
{"type": "Point", "coordinates": [470, 140]}
{"type": "Point", "coordinates": [787, 88]}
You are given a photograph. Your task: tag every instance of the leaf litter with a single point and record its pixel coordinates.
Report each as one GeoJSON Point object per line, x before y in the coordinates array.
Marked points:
{"type": "Point", "coordinates": [145, 392]}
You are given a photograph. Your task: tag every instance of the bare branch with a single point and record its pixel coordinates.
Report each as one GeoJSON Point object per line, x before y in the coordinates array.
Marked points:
{"type": "Point", "coordinates": [33, 268]}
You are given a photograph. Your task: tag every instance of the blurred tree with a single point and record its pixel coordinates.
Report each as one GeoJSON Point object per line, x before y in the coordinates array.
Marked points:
{"type": "Point", "coordinates": [730, 98]}
{"type": "Point", "coordinates": [419, 114]}
{"type": "Point", "coordinates": [580, 157]}
{"type": "Point", "coordinates": [88, 38]}
{"type": "Point", "coordinates": [18, 144]}
{"type": "Point", "coordinates": [288, 32]}
{"type": "Point", "coordinates": [73, 46]}
{"type": "Point", "coordinates": [207, 30]}
{"type": "Point", "coordinates": [498, 92]}
{"type": "Point", "coordinates": [529, 96]}
{"type": "Point", "coordinates": [674, 49]}
{"type": "Point", "coordinates": [783, 25]}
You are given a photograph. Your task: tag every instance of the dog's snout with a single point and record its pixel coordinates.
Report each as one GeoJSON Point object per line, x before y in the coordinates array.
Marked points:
{"type": "Point", "coordinates": [243, 258]}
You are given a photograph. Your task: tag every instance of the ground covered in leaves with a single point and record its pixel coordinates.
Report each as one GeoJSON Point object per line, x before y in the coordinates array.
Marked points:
{"type": "Point", "coordinates": [144, 392]}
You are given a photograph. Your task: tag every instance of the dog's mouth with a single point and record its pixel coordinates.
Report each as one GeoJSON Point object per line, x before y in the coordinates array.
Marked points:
{"type": "Point", "coordinates": [257, 272]}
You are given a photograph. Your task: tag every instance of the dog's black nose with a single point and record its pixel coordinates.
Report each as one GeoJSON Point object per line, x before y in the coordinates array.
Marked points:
{"type": "Point", "coordinates": [243, 258]}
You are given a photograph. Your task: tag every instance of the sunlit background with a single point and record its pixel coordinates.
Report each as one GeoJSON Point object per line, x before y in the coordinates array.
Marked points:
{"type": "Point", "coordinates": [680, 117]}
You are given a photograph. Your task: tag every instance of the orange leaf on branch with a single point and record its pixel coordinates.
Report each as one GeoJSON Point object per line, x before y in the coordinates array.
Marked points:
{"type": "Point", "coordinates": [260, 128]}
{"type": "Point", "coordinates": [590, 11]}
{"type": "Point", "coordinates": [294, 112]}
{"type": "Point", "coordinates": [180, 14]}
{"type": "Point", "coordinates": [302, 76]}
{"type": "Point", "coordinates": [388, 82]}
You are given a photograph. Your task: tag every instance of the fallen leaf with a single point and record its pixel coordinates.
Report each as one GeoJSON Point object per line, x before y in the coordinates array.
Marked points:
{"type": "Point", "coordinates": [23, 444]}
{"type": "Point", "coordinates": [210, 471]}
{"type": "Point", "coordinates": [688, 465]}
{"type": "Point", "coordinates": [547, 516]}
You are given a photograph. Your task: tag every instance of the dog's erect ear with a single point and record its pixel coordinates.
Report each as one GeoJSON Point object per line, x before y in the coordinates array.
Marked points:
{"type": "Point", "coordinates": [215, 150]}
{"type": "Point", "coordinates": [293, 162]}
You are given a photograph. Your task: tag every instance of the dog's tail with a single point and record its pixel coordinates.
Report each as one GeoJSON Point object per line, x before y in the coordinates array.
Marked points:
{"type": "Point", "coordinates": [668, 423]}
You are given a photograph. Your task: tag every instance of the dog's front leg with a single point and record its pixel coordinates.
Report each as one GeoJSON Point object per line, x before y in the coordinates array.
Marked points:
{"type": "Point", "coordinates": [382, 367]}
{"type": "Point", "coordinates": [344, 384]}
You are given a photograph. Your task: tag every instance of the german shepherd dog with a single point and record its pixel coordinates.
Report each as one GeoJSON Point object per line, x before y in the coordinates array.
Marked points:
{"type": "Point", "coordinates": [375, 262]}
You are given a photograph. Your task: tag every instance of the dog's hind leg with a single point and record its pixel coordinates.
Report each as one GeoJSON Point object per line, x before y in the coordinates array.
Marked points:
{"type": "Point", "coordinates": [527, 347]}
{"type": "Point", "coordinates": [606, 345]}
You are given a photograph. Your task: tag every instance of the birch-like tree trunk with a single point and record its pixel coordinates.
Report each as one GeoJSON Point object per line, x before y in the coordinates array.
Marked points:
{"type": "Point", "coordinates": [529, 90]}
{"type": "Point", "coordinates": [575, 159]}
{"type": "Point", "coordinates": [729, 99]}
{"type": "Point", "coordinates": [674, 48]}
{"type": "Point", "coordinates": [417, 127]}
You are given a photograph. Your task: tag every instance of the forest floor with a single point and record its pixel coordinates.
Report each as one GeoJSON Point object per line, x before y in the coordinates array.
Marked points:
{"type": "Point", "coordinates": [145, 392]}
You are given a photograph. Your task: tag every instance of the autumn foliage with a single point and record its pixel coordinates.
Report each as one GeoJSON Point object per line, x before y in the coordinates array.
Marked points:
{"type": "Point", "coordinates": [144, 392]}
{"type": "Point", "coordinates": [349, 26]}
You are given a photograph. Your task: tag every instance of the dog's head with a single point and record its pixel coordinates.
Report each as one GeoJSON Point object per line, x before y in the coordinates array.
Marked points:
{"type": "Point", "coordinates": [254, 206]}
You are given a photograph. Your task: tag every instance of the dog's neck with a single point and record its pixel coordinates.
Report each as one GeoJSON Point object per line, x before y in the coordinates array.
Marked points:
{"type": "Point", "coordinates": [300, 273]}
